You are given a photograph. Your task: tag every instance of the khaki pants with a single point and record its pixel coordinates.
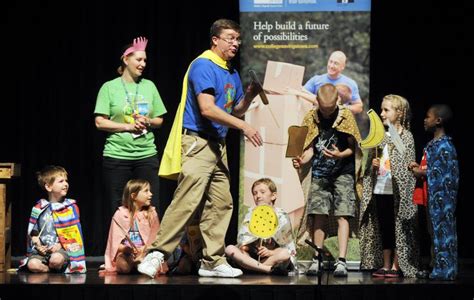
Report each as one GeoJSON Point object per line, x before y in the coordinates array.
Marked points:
{"type": "Point", "coordinates": [204, 177]}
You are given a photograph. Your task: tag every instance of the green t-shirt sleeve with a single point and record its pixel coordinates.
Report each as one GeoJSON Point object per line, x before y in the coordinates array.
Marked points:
{"type": "Point", "coordinates": [102, 105]}
{"type": "Point", "coordinates": [158, 106]}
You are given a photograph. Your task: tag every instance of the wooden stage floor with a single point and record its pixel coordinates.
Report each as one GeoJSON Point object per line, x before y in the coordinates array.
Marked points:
{"type": "Point", "coordinates": [358, 285]}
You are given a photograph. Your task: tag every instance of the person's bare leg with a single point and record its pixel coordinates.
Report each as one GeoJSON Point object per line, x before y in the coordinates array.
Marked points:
{"type": "Point", "coordinates": [319, 221]}
{"type": "Point", "coordinates": [342, 235]}
{"type": "Point", "coordinates": [395, 265]}
{"type": "Point", "coordinates": [387, 259]}
{"type": "Point", "coordinates": [318, 235]}
{"type": "Point", "coordinates": [245, 261]}
{"type": "Point", "coordinates": [56, 261]}
{"type": "Point", "coordinates": [36, 266]}
{"type": "Point", "coordinates": [280, 255]}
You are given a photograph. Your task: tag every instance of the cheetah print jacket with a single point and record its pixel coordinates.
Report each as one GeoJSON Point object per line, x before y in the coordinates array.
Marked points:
{"type": "Point", "coordinates": [405, 211]}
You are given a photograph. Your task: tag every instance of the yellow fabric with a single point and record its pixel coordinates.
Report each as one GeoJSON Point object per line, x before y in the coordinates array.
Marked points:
{"type": "Point", "coordinates": [170, 166]}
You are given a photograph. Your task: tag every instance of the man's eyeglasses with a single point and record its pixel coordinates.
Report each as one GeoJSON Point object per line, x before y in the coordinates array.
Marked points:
{"type": "Point", "coordinates": [231, 40]}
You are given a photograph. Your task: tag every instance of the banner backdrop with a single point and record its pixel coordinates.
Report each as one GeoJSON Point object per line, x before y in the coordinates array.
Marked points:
{"type": "Point", "coordinates": [286, 43]}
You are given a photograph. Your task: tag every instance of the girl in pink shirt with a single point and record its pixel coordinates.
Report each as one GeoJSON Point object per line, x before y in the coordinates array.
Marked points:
{"type": "Point", "coordinates": [133, 227]}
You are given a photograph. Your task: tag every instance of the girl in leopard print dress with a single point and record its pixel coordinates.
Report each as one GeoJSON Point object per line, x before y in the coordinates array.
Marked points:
{"type": "Point", "coordinates": [388, 217]}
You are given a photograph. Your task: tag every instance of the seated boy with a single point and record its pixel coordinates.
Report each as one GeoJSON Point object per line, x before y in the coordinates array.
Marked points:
{"type": "Point", "coordinates": [55, 240]}
{"type": "Point", "coordinates": [274, 255]}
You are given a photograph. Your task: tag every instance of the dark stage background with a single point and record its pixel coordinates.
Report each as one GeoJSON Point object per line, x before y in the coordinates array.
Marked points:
{"type": "Point", "coordinates": [56, 55]}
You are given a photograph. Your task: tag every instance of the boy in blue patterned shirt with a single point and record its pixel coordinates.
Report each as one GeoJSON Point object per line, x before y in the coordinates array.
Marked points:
{"type": "Point", "coordinates": [442, 175]}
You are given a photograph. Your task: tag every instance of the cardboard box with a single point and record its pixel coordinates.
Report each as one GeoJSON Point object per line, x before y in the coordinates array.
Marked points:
{"type": "Point", "coordinates": [280, 75]}
{"type": "Point", "coordinates": [273, 120]}
{"type": "Point", "coordinates": [269, 161]}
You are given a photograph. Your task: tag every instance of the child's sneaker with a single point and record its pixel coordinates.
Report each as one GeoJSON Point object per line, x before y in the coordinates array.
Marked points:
{"type": "Point", "coordinates": [313, 269]}
{"type": "Point", "coordinates": [151, 263]}
{"type": "Point", "coordinates": [222, 270]}
{"type": "Point", "coordinates": [341, 269]}
{"type": "Point", "coordinates": [423, 274]}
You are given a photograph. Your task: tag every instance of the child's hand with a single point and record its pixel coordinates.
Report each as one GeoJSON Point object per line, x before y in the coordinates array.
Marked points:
{"type": "Point", "coordinates": [334, 153]}
{"type": "Point", "coordinates": [413, 165]}
{"type": "Point", "coordinates": [303, 159]}
{"type": "Point", "coordinates": [416, 169]}
{"type": "Point", "coordinates": [43, 250]}
{"type": "Point", "coordinates": [36, 241]}
{"type": "Point", "coordinates": [264, 252]}
{"type": "Point", "coordinates": [54, 248]}
{"type": "Point", "coordinates": [376, 163]}
{"type": "Point", "coordinates": [297, 162]}
{"type": "Point", "coordinates": [417, 172]}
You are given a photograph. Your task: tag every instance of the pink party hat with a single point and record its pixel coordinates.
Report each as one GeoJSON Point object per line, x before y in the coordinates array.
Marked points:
{"type": "Point", "coordinates": [139, 44]}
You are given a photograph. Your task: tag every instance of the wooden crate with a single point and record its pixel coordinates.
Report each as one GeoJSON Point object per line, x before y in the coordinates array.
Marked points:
{"type": "Point", "coordinates": [7, 171]}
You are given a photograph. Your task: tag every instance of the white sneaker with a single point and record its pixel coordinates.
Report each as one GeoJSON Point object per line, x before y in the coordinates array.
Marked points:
{"type": "Point", "coordinates": [223, 270]}
{"type": "Point", "coordinates": [313, 269]}
{"type": "Point", "coordinates": [151, 263]}
{"type": "Point", "coordinates": [341, 269]}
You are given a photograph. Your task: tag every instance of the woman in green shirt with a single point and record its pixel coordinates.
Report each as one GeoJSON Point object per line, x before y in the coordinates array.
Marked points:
{"type": "Point", "coordinates": [128, 108]}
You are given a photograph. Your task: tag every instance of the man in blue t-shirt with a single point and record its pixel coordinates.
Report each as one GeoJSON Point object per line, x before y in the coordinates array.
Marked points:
{"type": "Point", "coordinates": [336, 64]}
{"type": "Point", "coordinates": [214, 102]}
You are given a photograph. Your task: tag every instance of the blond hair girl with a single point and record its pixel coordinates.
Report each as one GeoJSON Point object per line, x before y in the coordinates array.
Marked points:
{"type": "Point", "coordinates": [388, 217]}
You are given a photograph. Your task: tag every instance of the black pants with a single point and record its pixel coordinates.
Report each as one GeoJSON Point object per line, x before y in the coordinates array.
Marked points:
{"type": "Point", "coordinates": [385, 214]}
{"type": "Point", "coordinates": [116, 173]}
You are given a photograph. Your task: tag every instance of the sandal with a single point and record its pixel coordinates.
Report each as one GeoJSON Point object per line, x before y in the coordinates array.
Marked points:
{"type": "Point", "coordinates": [380, 273]}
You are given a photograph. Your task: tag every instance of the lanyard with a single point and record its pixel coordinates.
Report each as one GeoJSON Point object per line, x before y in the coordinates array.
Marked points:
{"type": "Point", "coordinates": [132, 104]}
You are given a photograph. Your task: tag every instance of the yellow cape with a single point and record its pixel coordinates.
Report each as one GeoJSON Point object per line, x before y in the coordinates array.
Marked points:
{"type": "Point", "coordinates": [170, 166]}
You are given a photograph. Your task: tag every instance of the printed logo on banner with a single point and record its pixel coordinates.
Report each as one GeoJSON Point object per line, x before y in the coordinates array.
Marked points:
{"type": "Point", "coordinates": [345, 1]}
